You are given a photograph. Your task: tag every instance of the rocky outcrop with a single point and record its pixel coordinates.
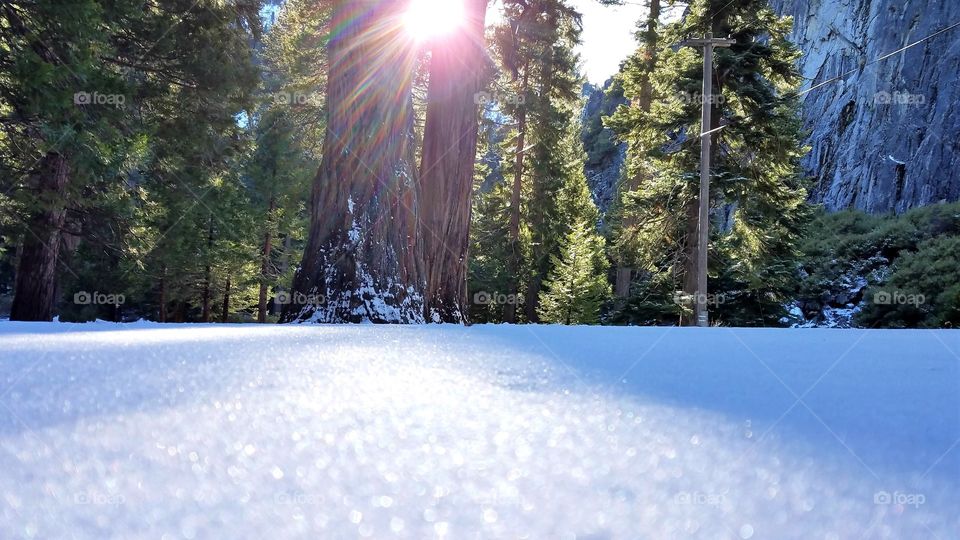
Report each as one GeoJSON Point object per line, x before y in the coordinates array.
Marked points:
{"type": "Point", "coordinates": [887, 136]}
{"type": "Point", "coordinates": [605, 155]}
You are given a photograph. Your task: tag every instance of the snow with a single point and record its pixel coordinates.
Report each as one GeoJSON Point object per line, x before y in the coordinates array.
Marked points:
{"type": "Point", "coordinates": [895, 160]}
{"type": "Point", "coordinates": [311, 431]}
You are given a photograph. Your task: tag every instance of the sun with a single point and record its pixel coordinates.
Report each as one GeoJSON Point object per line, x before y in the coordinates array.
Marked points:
{"type": "Point", "coordinates": [428, 19]}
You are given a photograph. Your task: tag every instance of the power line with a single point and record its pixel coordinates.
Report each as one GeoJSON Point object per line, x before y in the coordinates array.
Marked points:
{"type": "Point", "coordinates": [884, 57]}
{"type": "Point", "coordinates": [850, 72]}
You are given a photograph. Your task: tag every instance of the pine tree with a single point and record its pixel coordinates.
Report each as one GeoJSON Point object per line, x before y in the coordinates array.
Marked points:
{"type": "Point", "coordinates": [635, 83]}
{"type": "Point", "coordinates": [576, 287]}
{"type": "Point", "coordinates": [535, 49]}
{"type": "Point", "coordinates": [489, 278]}
{"type": "Point", "coordinates": [288, 127]}
{"type": "Point", "coordinates": [189, 188]}
{"type": "Point", "coordinates": [576, 284]}
{"type": "Point", "coordinates": [758, 195]}
{"type": "Point", "coordinates": [54, 140]}
{"type": "Point", "coordinates": [100, 95]}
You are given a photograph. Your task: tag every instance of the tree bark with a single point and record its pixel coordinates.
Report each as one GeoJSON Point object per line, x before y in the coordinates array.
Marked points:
{"type": "Point", "coordinates": [691, 243]}
{"type": "Point", "coordinates": [513, 265]}
{"type": "Point", "coordinates": [624, 276]}
{"type": "Point", "coordinates": [447, 166]}
{"type": "Point", "coordinates": [363, 260]}
{"type": "Point", "coordinates": [36, 285]}
{"type": "Point", "coordinates": [225, 311]}
{"type": "Point", "coordinates": [205, 314]}
{"type": "Point", "coordinates": [540, 248]}
{"type": "Point", "coordinates": [162, 311]}
{"type": "Point", "coordinates": [265, 264]}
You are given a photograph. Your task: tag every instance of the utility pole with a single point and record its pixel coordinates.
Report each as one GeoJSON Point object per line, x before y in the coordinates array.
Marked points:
{"type": "Point", "coordinates": [703, 224]}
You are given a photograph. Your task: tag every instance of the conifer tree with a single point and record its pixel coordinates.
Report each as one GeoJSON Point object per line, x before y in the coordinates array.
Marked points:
{"type": "Point", "coordinates": [449, 153]}
{"type": "Point", "coordinates": [576, 287]}
{"type": "Point", "coordinates": [57, 134]}
{"type": "Point", "coordinates": [576, 282]}
{"type": "Point", "coordinates": [100, 94]}
{"type": "Point", "coordinates": [363, 259]}
{"type": "Point", "coordinates": [288, 128]}
{"type": "Point", "coordinates": [535, 49]}
{"type": "Point", "coordinates": [758, 195]}
{"type": "Point", "coordinates": [488, 278]}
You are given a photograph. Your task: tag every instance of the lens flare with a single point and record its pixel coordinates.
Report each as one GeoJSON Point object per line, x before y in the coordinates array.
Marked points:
{"type": "Point", "coordinates": [428, 19]}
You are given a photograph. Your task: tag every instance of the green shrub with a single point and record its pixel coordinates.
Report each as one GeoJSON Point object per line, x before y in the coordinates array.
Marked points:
{"type": "Point", "coordinates": [850, 257]}
{"type": "Point", "coordinates": [922, 291]}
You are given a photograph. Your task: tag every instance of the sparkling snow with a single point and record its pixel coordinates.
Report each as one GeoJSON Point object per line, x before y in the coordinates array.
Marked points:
{"type": "Point", "coordinates": [192, 431]}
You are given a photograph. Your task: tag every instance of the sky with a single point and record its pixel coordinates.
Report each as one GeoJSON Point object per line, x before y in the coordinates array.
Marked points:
{"type": "Point", "coordinates": [607, 37]}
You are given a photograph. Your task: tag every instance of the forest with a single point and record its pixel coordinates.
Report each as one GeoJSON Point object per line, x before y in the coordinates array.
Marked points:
{"type": "Point", "coordinates": [446, 269]}
{"type": "Point", "coordinates": [356, 161]}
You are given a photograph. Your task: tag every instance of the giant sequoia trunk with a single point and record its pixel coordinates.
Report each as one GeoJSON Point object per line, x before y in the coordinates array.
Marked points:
{"type": "Point", "coordinates": [361, 262]}
{"type": "Point", "coordinates": [447, 166]}
{"type": "Point", "coordinates": [36, 286]}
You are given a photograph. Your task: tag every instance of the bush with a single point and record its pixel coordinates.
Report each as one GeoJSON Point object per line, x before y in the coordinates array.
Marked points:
{"type": "Point", "coordinates": [850, 257]}
{"type": "Point", "coordinates": [923, 290]}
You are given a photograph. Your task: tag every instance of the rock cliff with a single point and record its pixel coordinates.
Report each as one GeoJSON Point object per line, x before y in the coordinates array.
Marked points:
{"type": "Point", "coordinates": [887, 136]}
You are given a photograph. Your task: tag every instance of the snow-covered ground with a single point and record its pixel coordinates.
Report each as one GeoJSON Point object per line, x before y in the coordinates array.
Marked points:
{"type": "Point", "coordinates": [149, 431]}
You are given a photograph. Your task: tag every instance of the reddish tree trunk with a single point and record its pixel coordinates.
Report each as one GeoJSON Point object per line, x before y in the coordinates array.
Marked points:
{"type": "Point", "coordinates": [447, 166]}
{"type": "Point", "coordinates": [513, 265]}
{"type": "Point", "coordinates": [36, 286]}
{"type": "Point", "coordinates": [205, 314]}
{"type": "Point", "coordinates": [690, 263]}
{"type": "Point", "coordinates": [162, 312]}
{"type": "Point", "coordinates": [363, 261]}
{"type": "Point", "coordinates": [225, 311]}
{"type": "Point", "coordinates": [265, 264]}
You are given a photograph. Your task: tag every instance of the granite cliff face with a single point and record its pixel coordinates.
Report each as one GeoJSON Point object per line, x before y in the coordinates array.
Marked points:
{"type": "Point", "coordinates": [605, 155]}
{"type": "Point", "coordinates": [887, 136]}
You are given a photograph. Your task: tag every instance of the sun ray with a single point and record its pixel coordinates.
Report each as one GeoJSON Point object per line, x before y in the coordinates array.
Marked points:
{"type": "Point", "coordinates": [428, 19]}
